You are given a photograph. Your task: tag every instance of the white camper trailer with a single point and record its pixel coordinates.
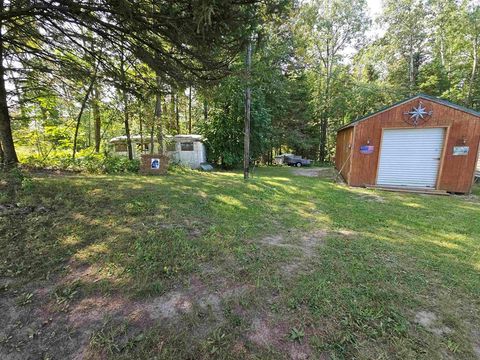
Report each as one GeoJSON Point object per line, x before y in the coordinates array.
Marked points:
{"type": "Point", "coordinates": [186, 150]}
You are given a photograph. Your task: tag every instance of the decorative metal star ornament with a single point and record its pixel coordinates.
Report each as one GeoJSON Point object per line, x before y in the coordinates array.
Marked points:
{"type": "Point", "coordinates": [417, 115]}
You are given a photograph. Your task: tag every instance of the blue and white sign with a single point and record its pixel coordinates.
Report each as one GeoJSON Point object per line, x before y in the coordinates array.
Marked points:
{"type": "Point", "coordinates": [460, 150]}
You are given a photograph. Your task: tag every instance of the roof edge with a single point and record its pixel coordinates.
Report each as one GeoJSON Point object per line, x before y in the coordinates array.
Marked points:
{"type": "Point", "coordinates": [420, 95]}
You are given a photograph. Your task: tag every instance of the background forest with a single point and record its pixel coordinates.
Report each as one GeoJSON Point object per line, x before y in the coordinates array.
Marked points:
{"type": "Point", "coordinates": [76, 74]}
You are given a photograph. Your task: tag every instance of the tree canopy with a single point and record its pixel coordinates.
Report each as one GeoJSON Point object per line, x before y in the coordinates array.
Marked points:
{"type": "Point", "coordinates": [76, 73]}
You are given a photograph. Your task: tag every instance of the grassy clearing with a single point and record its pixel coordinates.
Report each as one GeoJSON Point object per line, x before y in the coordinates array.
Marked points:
{"type": "Point", "coordinates": [203, 265]}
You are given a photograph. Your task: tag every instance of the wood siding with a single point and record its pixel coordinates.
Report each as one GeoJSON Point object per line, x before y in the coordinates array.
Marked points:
{"type": "Point", "coordinates": [455, 173]}
{"type": "Point", "coordinates": [343, 148]}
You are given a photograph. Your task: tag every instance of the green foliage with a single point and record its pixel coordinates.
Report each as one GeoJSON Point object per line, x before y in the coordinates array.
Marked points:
{"type": "Point", "coordinates": [12, 182]}
{"type": "Point", "coordinates": [224, 129]}
{"type": "Point", "coordinates": [85, 162]}
{"type": "Point", "coordinates": [314, 69]}
{"type": "Point", "coordinates": [112, 165]}
{"type": "Point", "coordinates": [275, 256]}
{"type": "Point", "coordinates": [296, 334]}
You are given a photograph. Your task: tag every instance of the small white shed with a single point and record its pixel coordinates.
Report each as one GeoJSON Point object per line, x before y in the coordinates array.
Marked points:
{"type": "Point", "coordinates": [187, 150]}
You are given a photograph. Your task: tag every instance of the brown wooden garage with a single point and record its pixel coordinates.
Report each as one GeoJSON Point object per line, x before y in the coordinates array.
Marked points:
{"type": "Point", "coordinates": [422, 142]}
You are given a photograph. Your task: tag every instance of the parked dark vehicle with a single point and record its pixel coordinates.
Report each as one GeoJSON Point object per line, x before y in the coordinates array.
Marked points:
{"type": "Point", "coordinates": [292, 160]}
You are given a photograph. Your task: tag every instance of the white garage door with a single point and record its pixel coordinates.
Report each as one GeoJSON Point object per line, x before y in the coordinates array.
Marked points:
{"type": "Point", "coordinates": [410, 157]}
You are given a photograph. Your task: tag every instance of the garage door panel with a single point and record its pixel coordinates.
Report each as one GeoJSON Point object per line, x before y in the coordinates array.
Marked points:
{"type": "Point", "coordinates": [410, 157]}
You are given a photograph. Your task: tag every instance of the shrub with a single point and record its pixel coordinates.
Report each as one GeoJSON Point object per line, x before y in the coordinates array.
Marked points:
{"type": "Point", "coordinates": [11, 182]}
{"type": "Point", "coordinates": [120, 164]}
{"type": "Point", "coordinates": [84, 162]}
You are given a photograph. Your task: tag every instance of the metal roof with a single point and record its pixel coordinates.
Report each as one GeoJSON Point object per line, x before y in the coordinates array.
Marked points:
{"type": "Point", "coordinates": [423, 96]}
{"type": "Point", "coordinates": [146, 138]}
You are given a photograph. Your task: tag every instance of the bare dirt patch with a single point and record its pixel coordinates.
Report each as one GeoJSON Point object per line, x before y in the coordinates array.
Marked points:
{"type": "Point", "coordinates": [93, 309]}
{"type": "Point", "coordinates": [269, 334]}
{"type": "Point", "coordinates": [41, 328]}
{"type": "Point", "coordinates": [347, 233]}
{"type": "Point", "coordinates": [182, 301]}
{"type": "Point", "coordinates": [311, 240]}
{"type": "Point", "coordinates": [314, 172]}
{"type": "Point", "coordinates": [305, 244]}
{"type": "Point", "coordinates": [194, 229]}
{"type": "Point", "coordinates": [372, 197]}
{"type": "Point", "coordinates": [430, 322]}
{"type": "Point", "coordinates": [476, 343]}
{"type": "Point", "coordinates": [78, 271]}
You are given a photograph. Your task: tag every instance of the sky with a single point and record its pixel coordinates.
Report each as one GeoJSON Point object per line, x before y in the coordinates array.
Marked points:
{"type": "Point", "coordinates": [375, 31]}
{"type": "Point", "coordinates": [375, 7]}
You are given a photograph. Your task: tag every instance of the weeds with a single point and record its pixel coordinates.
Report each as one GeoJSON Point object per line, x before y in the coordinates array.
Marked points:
{"type": "Point", "coordinates": [65, 294]}
{"type": "Point", "coordinates": [25, 299]}
{"type": "Point", "coordinates": [149, 235]}
{"type": "Point", "coordinates": [110, 338]}
{"type": "Point", "coordinates": [296, 335]}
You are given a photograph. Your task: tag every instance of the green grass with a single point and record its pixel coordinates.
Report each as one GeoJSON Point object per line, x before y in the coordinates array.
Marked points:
{"type": "Point", "coordinates": [385, 258]}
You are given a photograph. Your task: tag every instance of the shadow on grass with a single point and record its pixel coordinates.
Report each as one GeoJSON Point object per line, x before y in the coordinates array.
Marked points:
{"type": "Point", "coordinates": [138, 236]}
{"type": "Point", "coordinates": [145, 230]}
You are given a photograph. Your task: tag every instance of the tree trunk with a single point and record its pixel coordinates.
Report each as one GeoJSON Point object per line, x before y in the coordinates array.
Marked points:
{"type": "Point", "coordinates": [79, 117]}
{"type": "Point", "coordinates": [127, 124]}
{"type": "Point", "coordinates": [158, 118]}
{"type": "Point", "coordinates": [6, 138]}
{"type": "Point", "coordinates": [411, 76]}
{"type": "Point", "coordinates": [248, 94]}
{"type": "Point", "coordinates": [205, 110]}
{"type": "Point", "coordinates": [171, 112]}
{"type": "Point", "coordinates": [96, 118]}
{"type": "Point", "coordinates": [43, 111]}
{"type": "Point", "coordinates": [2, 156]}
{"type": "Point", "coordinates": [190, 110]}
{"type": "Point", "coordinates": [474, 71]}
{"type": "Point", "coordinates": [177, 114]}
{"type": "Point", "coordinates": [152, 142]}
{"type": "Point", "coordinates": [442, 51]}
{"type": "Point", "coordinates": [126, 115]}
{"type": "Point", "coordinates": [323, 138]}
{"type": "Point", "coordinates": [325, 108]}
{"type": "Point", "coordinates": [141, 130]}
{"type": "Point", "coordinates": [270, 153]}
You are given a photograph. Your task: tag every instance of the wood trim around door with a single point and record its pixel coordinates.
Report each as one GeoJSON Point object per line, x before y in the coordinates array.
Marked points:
{"type": "Point", "coordinates": [352, 153]}
{"type": "Point", "coordinates": [378, 159]}
{"type": "Point", "coordinates": [477, 158]}
{"type": "Point", "coordinates": [442, 157]}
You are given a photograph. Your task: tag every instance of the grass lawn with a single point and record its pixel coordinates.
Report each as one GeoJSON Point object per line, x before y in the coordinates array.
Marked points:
{"type": "Point", "coordinates": [205, 266]}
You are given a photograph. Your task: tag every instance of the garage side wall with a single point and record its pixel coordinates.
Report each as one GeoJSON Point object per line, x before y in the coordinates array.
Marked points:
{"type": "Point", "coordinates": [455, 173]}
{"type": "Point", "coordinates": [343, 148]}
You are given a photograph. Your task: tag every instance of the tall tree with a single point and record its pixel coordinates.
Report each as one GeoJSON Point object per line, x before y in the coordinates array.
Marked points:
{"type": "Point", "coordinates": [158, 118]}
{"type": "Point", "coordinates": [473, 36]}
{"type": "Point", "coordinates": [9, 156]}
{"type": "Point", "coordinates": [248, 106]}
{"type": "Point", "coordinates": [193, 41]}
{"type": "Point", "coordinates": [97, 121]}
{"type": "Point", "coordinates": [82, 108]}
{"type": "Point", "coordinates": [125, 100]}
{"type": "Point", "coordinates": [407, 25]}
{"type": "Point", "coordinates": [326, 28]}
{"type": "Point", "coordinates": [190, 109]}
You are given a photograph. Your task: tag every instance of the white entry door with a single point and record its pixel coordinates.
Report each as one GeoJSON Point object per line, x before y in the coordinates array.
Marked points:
{"type": "Point", "coordinates": [410, 157]}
